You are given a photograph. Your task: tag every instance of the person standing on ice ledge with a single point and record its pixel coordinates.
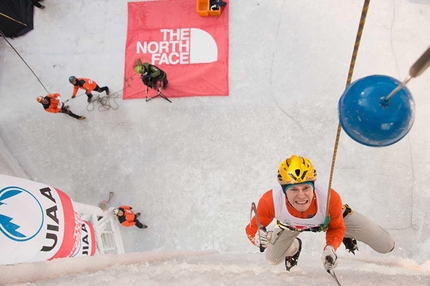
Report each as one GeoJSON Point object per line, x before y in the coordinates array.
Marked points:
{"type": "Point", "coordinates": [150, 74]}
{"type": "Point", "coordinates": [127, 217]}
{"type": "Point", "coordinates": [298, 205]}
{"type": "Point", "coordinates": [88, 85]}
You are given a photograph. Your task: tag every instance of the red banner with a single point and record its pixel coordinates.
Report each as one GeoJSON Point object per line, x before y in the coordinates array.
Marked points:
{"type": "Point", "coordinates": [191, 49]}
{"type": "Point", "coordinates": [72, 228]}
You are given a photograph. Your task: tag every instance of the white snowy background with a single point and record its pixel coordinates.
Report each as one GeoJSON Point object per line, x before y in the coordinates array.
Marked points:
{"type": "Point", "coordinates": [193, 167]}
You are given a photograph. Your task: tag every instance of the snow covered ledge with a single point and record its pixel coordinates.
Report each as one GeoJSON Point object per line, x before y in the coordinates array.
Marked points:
{"type": "Point", "coordinates": [31, 272]}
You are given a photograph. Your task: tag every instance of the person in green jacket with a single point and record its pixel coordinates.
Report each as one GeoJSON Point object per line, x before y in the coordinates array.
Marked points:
{"type": "Point", "coordinates": [151, 75]}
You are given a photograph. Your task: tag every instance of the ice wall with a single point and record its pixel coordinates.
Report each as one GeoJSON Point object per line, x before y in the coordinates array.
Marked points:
{"type": "Point", "coordinates": [8, 164]}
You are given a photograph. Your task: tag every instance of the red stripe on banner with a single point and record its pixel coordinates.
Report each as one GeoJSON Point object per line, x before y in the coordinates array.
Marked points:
{"type": "Point", "coordinates": [191, 49]}
{"type": "Point", "coordinates": [69, 226]}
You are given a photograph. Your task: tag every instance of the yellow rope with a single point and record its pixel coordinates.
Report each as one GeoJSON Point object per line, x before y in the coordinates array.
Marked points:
{"type": "Point", "coordinates": [10, 18]}
{"type": "Point", "coordinates": [351, 71]}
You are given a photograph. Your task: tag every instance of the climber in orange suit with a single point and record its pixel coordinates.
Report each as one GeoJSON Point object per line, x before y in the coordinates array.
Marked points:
{"type": "Point", "coordinates": [52, 103]}
{"type": "Point", "coordinates": [127, 217]}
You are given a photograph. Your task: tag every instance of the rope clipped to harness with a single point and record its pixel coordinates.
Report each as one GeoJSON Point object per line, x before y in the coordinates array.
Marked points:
{"type": "Point", "coordinates": [321, 228]}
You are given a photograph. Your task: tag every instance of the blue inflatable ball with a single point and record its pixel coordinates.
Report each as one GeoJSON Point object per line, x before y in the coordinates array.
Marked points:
{"type": "Point", "coordinates": [368, 118]}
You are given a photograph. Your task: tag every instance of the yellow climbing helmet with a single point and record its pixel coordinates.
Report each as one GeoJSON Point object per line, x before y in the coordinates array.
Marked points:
{"type": "Point", "coordinates": [296, 170]}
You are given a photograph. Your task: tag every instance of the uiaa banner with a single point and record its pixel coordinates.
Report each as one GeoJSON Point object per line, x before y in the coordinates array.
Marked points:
{"type": "Point", "coordinates": [37, 222]}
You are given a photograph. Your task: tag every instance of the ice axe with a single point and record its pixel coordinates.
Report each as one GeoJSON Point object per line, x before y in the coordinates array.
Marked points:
{"type": "Point", "coordinates": [416, 69]}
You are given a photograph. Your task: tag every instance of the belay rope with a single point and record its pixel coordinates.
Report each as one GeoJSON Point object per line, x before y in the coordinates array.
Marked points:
{"type": "Point", "coordinates": [339, 128]}
{"type": "Point", "coordinates": [104, 101]}
{"type": "Point", "coordinates": [13, 48]}
{"type": "Point", "coordinates": [348, 81]}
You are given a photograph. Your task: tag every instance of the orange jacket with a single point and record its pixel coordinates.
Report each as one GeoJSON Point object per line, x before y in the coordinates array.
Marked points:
{"type": "Point", "coordinates": [89, 85]}
{"type": "Point", "coordinates": [128, 218]}
{"type": "Point", "coordinates": [266, 214]}
{"type": "Point", "coordinates": [55, 103]}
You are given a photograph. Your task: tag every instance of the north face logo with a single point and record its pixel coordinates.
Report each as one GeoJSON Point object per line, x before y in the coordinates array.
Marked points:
{"type": "Point", "coordinates": [180, 46]}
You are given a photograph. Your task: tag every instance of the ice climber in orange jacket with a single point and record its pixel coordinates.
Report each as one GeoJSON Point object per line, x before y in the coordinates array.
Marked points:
{"type": "Point", "coordinates": [88, 85]}
{"type": "Point", "coordinates": [52, 103]}
{"type": "Point", "coordinates": [298, 204]}
{"type": "Point", "coordinates": [127, 217]}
